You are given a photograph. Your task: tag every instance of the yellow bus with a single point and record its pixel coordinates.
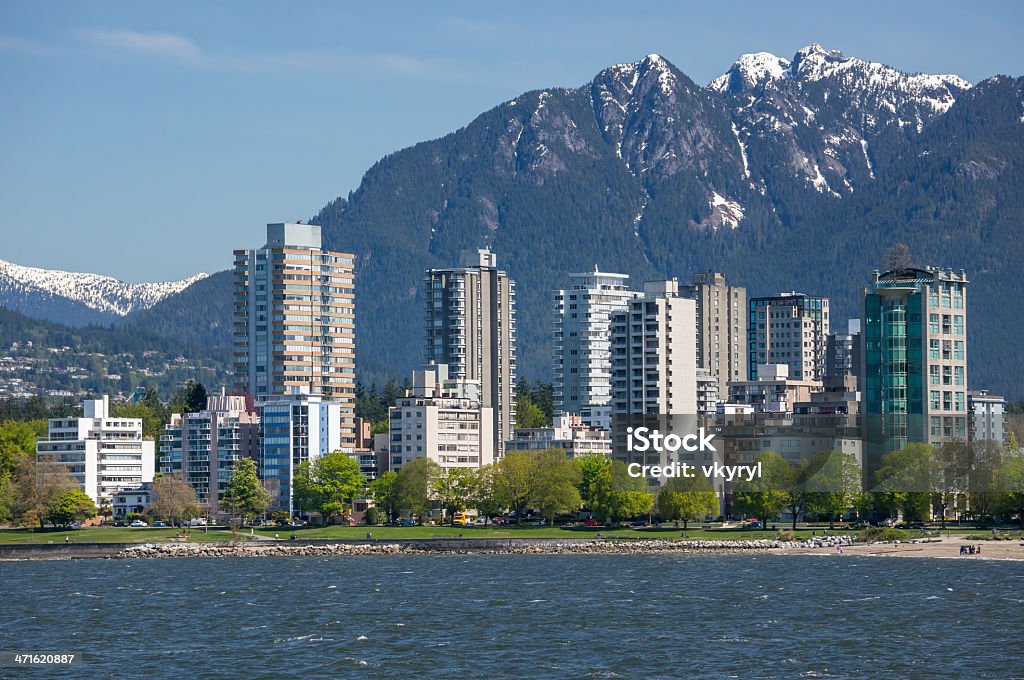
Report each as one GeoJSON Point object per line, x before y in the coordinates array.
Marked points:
{"type": "Point", "coordinates": [461, 519]}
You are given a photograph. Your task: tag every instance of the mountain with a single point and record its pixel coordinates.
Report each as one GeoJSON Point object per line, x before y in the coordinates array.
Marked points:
{"type": "Point", "coordinates": [77, 299]}
{"type": "Point", "coordinates": [783, 173]}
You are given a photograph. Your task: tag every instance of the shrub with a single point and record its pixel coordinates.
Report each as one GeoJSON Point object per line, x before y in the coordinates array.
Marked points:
{"type": "Point", "coordinates": [785, 535]}
{"type": "Point", "coordinates": [875, 534]}
{"type": "Point", "coordinates": [372, 516]}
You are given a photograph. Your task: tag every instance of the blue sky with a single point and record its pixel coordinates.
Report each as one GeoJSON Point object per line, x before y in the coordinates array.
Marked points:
{"type": "Point", "coordinates": [147, 140]}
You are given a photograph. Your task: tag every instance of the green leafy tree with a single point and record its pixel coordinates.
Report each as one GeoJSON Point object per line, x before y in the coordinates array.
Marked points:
{"type": "Point", "coordinates": [36, 487]}
{"type": "Point", "coordinates": [1009, 479]}
{"type": "Point", "coordinates": [384, 491]}
{"type": "Point", "coordinates": [70, 506]}
{"type": "Point", "coordinates": [831, 480]}
{"type": "Point", "coordinates": [328, 483]}
{"type": "Point", "coordinates": [514, 477]}
{"type": "Point", "coordinates": [689, 499]}
{"type": "Point", "coordinates": [415, 486]}
{"type": "Point", "coordinates": [453, 489]}
{"type": "Point", "coordinates": [17, 444]}
{"type": "Point", "coordinates": [906, 480]}
{"type": "Point", "coordinates": [595, 484]}
{"type": "Point", "coordinates": [764, 496]}
{"type": "Point", "coordinates": [556, 485]}
{"type": "Point", "coordinates": [982, 496]}
{"type": "Point", "coordinates": [629, 496]}
{"type": "Point", "coordinates": [528, 414]}
{"type": "Point", "coordinates": [245, 496]}
{"type": "Point", "coordinates": [483, 492]}
{"type": "Point", "coordinates": [190, 397]}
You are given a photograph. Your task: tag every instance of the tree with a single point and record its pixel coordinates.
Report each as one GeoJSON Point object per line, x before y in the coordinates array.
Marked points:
{"type": "Point", "coordinates": [906, 480]}
{"type": "Point", "coordinates": [328, 484]}
{"type": "Point", "coordinates": [384, 491]}
{"type": "Point", "coordinates": [36, 488]}
{"type": "Point", "coordinates": [513, 481]}
{"type": "Point", "coordinates": [897, 257]}
{"type": "Point", "coordinates": [764, 496]}
{"type": "Point", "coordinates": [595, 484]}
{"type": "Point", "coordinates": [173, 497]}
{"type": "Point", "coordinates": [190, 397]}
{"type": "Point", "coordinates": [528, 414]}
{"type": "Point", "coordinates": [453, 489]}
{"type": "Point", "coordinates": [556, 485]}
{"type": "Point", "coordinates": [17, 444]}
{"type": "Point", "coordinates": [629, 496]}
{"type": "Point", "coordinates": [414, 490]}
{"type": "Point", "coordinates": [832, 480]}
{"type": "Point", "coordinates": [70, 506]}
{"type": "Point", "coordinates": [688, 499]}
{"type": "Point", "coordinates": [1011, 442]}
{"type": "Point", "coordinates": [1009, 480]}
{"type": "Point", "coordinates": [483, 492]}
{"type": "Point", "coordinates": [982, 496]}
{"type": "Point", "coordinates": [951, 465]}
{"type": "Point", "coordinates": [245, 496]}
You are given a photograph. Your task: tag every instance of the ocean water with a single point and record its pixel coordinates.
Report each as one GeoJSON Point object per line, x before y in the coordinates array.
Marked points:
{"type": "Point", "coordinates": [543, 616]}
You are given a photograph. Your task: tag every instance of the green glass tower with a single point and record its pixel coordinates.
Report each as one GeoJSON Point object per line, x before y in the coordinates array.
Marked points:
{"type": "Point", "coordinates": [913, 361]}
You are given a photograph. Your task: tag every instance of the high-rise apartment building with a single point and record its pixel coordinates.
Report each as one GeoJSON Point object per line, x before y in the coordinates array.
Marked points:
{"type": "Point", "coordinates": [788, 329]}
{"type": "Point", "coordinates": [296, 428]}
{"type": "Point", "coordinates": [721, 328]}
{"type": "Point", "coordinates": [471, 328]}
{"type": "Point", "coordinates": [654, 353]}
{"type": "Point", "coordinates": [842, 357]}
{"type": "Point", "coordinates": [987, 417]}
{"type": "Point", "coordinates": [295, 320]}
{"type": "Point", "coordinates": [441, 418]}
{"type": "Point", "coordinates": [582, 362]}
{"type": "Point", "coordinates": [914, 359]}
{"type": "Point", "coordinates": [202, 447]}
{"type": "Point", "coordinates": [103, 454]}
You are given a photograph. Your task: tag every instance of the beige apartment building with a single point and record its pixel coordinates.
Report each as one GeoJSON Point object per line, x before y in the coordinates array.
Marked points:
{"type": "Point", "coordinates": [295, 320]}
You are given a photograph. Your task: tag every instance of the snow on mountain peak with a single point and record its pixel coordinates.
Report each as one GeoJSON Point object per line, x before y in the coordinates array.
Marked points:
{"type": "Point", "coordinates": [814, 62]}
{"type": "Point", "coordinates": [749, 71]}
{"type": "Point", "coordinates": [104, 294]}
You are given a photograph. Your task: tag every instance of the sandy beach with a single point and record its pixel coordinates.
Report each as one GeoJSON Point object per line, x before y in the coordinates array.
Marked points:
{"type": "Point", "coordinates": [945, 547]}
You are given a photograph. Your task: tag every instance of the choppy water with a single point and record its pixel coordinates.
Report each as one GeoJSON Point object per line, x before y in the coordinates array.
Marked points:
{"type": "Point", "coordinates": [521, 617]}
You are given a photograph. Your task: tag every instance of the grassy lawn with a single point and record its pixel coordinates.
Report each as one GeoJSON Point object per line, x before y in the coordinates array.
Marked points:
{"type": "Point", "coordinates": [108, 535]}
{"type": "Point", "coordinates": [386, 532]}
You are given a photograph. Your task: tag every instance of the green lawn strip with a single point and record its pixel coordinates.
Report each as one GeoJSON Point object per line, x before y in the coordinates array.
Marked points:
{"type": "Point", "coordinates": [110, 535]}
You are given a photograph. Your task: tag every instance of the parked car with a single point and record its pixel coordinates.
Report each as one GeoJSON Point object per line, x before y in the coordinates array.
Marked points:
{"type": "Point", "coordinates": [407, 522]}
{"type": "Point", "coordinates": [138, 523]}
{"type": "Point", "coordinates": [497, 520]}
{"type": "Point", "coordinates": [159, 524]}
{"type": "Point", "coordinates": [591, 523]}
{"type": "Point", "coordinates": [197, 522]}
{"type": "Point", "coordinates": [74, 525]}
{"type": "Point", "coordinates": [753, 525]}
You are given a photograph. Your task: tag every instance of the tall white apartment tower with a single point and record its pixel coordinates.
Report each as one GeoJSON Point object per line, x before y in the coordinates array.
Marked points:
{"type": "Point", "coordinates": [654, 353]}
{"type": "Point", "coordinates": [103, 454]}
{"type": "Point", "coordinates": [582, 358]}
{"type": "Point", "coordinates": [295, 320]}
{"type": "Point", "coordinates": [471, 327]}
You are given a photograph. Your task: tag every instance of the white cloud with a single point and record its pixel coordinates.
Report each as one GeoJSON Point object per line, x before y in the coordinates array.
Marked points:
{"type": "Point", "coordinates": [166, 45]}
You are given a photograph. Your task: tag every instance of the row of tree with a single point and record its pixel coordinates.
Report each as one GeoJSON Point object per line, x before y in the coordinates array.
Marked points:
{"type": "Point", "coordinates": [546, 481]}
{"type": "Point", "coordinates": [979, 480]}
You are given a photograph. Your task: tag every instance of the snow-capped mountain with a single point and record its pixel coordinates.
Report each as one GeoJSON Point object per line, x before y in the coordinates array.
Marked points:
{"type": "Point", "coordinates": [782, 173]}
{"type": "Point", "coordinates": [75, 298]}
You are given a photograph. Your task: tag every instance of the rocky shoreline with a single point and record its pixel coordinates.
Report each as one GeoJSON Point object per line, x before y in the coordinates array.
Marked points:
{"type": "Point", "coordinates": [497, 547]}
